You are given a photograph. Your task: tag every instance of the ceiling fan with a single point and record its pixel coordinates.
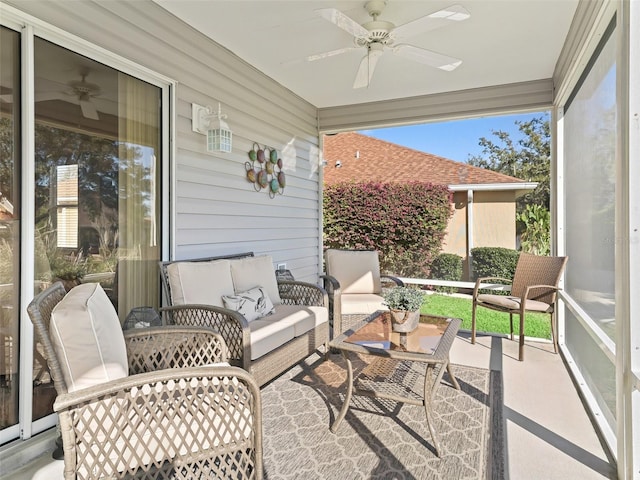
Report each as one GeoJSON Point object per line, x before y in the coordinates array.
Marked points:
{"type": "Point", "coordinates": [85, 91]}
{"type": "Point", "coordinates": [380, 35]}
{"type": "Point", "coordinates": [82, 90]}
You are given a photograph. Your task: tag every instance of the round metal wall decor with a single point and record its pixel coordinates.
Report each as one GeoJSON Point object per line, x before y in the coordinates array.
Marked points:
{"type": "Point", "coordinates": [261, 170]}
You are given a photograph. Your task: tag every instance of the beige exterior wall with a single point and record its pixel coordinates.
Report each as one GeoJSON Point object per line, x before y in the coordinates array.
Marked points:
{"type": "Point", "coordinates": [494, 223]}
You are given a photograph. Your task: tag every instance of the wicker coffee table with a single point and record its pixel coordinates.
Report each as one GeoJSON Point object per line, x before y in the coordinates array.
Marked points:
{"type": "Point", "coordinates": [429, 343]}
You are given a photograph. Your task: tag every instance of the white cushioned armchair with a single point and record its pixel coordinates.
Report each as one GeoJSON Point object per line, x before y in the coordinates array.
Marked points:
{"type": "Point", "coordinates": [155, 402]}
{"type": "Point", "coordinates": [354, 285]}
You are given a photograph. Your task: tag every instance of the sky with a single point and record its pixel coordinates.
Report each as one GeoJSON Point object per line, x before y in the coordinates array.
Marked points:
{"type": "Point", "coordinates": [456, 139]}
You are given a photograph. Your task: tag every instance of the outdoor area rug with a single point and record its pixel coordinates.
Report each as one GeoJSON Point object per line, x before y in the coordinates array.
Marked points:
{"type": "Point", "coordinates": [380, 439]}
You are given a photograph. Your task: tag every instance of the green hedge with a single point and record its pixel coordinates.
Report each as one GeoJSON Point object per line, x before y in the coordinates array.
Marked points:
{"type": "Point", "coordinates": [494, 262]}
{"type": "Point", "coordinates": [447, 266]}
{"type": "Point", "coordinates": [406, 222]}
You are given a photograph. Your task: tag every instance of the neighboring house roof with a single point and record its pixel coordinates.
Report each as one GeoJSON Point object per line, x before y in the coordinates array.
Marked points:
{"type": "Point", "coordinates": [352, 157]}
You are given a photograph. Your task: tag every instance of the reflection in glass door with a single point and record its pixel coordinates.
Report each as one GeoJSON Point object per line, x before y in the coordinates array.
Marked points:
{"type": "Point", "coordinates": [97, 211]}
{"type": "Point", "coordinates": [96, 198]}
{"type": "Point", "coordinates": [9, 225]}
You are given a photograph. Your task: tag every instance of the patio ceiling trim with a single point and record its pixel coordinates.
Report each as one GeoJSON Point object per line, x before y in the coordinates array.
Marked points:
{"type": "Point", "coordinates": [493, 186]}
{"type": "Point", "coordinates": [589, 23]}
{"type": "Point", "coordinates": [524, 96]}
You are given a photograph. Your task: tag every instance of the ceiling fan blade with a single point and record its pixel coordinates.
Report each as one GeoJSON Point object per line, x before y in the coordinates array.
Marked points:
{"type": "Point", "coordinates": [339, 19]}
{"type": "Point", "coordinates": [89, 110]}
{"type": "Point", "coordinates": [441, 18]}
{"type": "Point", "coordinates": [319, 56]}
{"type": "Point", "coordinates": [366, 68]}
{"type": "Point", "coordinates": [427, 57]}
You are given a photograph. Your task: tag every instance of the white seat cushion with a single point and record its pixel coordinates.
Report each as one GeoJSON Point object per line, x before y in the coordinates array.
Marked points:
{"type": "Point", "coordinates": [513, 303]}
{"type": "Point", "coordinates": [354, 304]}
{"type": "Point", "coordinates": [250, 272]}
{"type": "Point", "coordinates": [356, 271]}
{"type": "Point", "coordinates": [87, 338]}
{"type": "Point", "coordinates": [303, 318]}
{"type": "Point", "coordinates": [266, 335]}
{"type": "Point", "coordinates": [200, 282]}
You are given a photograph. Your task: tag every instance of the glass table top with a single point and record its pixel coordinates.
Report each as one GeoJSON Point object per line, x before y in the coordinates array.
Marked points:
{"type": "Point", "coordinates": [378, 333]}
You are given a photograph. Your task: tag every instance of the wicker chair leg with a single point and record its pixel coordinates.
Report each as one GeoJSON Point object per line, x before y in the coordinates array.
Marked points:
{"type": "Point", "coordinates": [521, 339]}
{"type": "Point", "coordinates": [473, 322]}
{"type": "Point", "coordinates": [554, 331]}
{"type": "Point", "coordinates": [511, 324]}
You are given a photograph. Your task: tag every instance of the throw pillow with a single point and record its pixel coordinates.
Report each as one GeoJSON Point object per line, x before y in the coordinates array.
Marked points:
{"type": "Point", "coordinates": [252, 304]}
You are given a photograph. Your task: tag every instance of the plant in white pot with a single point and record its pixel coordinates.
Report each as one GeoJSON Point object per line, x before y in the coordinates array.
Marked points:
{"type": "Point", "coordinates": [404, 304]}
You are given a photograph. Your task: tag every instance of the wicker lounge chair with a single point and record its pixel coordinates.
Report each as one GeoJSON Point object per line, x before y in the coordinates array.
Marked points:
{"type": "Point", "coordinates": [181, 412]}
{"type": "Point", "coordinates": [534, 289]}
{"type": "Point", "coordinates": [354, 284]}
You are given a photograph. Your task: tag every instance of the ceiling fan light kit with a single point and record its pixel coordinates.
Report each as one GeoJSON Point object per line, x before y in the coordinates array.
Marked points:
{"type": "Point", "coordinates": [380, 35]}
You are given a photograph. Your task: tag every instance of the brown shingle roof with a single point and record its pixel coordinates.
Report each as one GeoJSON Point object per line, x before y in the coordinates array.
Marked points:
{"type": "Point", "coordinates": [364, 158]}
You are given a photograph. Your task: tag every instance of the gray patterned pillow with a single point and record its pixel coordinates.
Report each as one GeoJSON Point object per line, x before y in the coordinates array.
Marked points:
{"type": "Point", "coordinates": [252, 304]}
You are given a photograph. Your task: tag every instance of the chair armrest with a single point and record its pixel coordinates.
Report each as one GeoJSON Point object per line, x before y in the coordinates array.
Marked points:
{"type": "Point", "coordinates": [159, 348]}
{"type": "Point", "coordinates": [294, 292]}
{"type": "Point", "coordinates": [393, 279]}
{"type": "Point", "coordinates": [177, 419]}
{"type": "Point", "coordinates": [331, 284]}
{"type": "Point", "coordinates": [231, 325]}
{"type": "Point", "coordinates": [484, 279]}
{"type": "Point", "coordinates": [526, 294]}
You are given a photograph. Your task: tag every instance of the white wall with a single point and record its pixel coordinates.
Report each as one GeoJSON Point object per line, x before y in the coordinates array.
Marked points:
{"type": "Point", "coordinates": [217, 211]}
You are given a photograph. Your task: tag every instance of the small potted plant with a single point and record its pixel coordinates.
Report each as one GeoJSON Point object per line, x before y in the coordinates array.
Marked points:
{"type": "Point", "coordinates": [404, 304]}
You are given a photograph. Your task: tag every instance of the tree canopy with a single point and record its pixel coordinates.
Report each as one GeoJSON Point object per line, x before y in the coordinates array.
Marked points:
{"type": "Point", "coordinates": [528, 158]}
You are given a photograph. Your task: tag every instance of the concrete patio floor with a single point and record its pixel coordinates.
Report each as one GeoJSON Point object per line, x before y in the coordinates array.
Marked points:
{"type": "Point", "coordinates": [548, 434]}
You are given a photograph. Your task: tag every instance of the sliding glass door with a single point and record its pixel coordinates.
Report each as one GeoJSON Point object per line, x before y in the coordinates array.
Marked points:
{"type": "Point", "coordinates": [95, 206]}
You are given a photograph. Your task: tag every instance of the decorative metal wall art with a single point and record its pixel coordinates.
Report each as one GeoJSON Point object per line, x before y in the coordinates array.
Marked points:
{"type": "Point", "coordinates": [263, 174]}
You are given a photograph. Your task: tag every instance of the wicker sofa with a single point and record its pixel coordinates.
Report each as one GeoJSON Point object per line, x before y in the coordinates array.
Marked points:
{"type": "Point", "coordinates": [265, 346]}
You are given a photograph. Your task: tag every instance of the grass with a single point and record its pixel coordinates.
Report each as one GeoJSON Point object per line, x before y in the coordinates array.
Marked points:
{"type": "Point", "coordinates": [535, 325]}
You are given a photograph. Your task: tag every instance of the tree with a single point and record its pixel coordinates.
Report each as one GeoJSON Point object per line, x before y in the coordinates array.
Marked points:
{"type": "Point", "coordinates": [528, 159]}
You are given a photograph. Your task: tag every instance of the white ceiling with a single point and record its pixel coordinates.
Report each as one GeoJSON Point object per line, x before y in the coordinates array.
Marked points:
{"type": "Point", "coordinates": [504, 41]}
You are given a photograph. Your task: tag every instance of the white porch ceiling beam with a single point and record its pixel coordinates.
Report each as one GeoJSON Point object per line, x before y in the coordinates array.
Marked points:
{"type": "Point", "coordinates": [525, 96]}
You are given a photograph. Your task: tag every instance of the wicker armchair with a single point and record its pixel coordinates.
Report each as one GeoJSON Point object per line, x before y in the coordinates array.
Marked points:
{"type": "Point", "coordinates": [534, 289]}
{"type": "Point", "coordinates": [180, 413]}
{"type": "Point", "coordinates": [354, 284]}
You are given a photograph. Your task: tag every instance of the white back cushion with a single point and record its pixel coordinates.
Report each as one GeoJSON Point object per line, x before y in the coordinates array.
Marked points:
{"type": "Point", "coordinates": [357, 271]}
{"type": "Point", "coordinates": [87, 338]}
{"type": "Point", "coordinates": [250, 272]}
{"type": "Point", "coordinates": [200, 282]}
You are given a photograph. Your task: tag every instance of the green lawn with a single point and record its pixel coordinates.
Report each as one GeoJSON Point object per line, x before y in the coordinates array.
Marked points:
{"type": "Point", "coordinates": [535, 325]}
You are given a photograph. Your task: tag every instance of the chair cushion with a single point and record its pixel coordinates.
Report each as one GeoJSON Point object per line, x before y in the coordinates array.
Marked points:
{"type": "Point", "coordinates": [513, 303]}
{"type": "Point", "coordinates": [266, 335]}
{"type": "Point", "coordinates": [258, 271]}
{"type": "Point", "coordinates": [200, 282]}
{"type": "Point", "coordinates": [252, 304]}
{"type": "Point", "coordinates": [354, 304]}
{"type": "Point", "coordinates": [303, 318]}
{"type": "Point", "coordinates": [87, 338]}
{"type": "Point", "coordinates": [357, 271]}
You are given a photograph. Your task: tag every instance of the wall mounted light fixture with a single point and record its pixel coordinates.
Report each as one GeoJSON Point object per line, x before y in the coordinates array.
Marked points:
{"type": "Point", "coordinates": [206, 121]}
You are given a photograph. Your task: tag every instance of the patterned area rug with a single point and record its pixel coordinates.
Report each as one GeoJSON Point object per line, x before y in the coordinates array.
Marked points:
{"type": "Point", "coordinates": [380, 439]}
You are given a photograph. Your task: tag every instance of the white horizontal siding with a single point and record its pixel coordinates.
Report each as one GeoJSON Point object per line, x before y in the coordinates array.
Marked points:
{"type": "Point", "coordinates": [217, 210]}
